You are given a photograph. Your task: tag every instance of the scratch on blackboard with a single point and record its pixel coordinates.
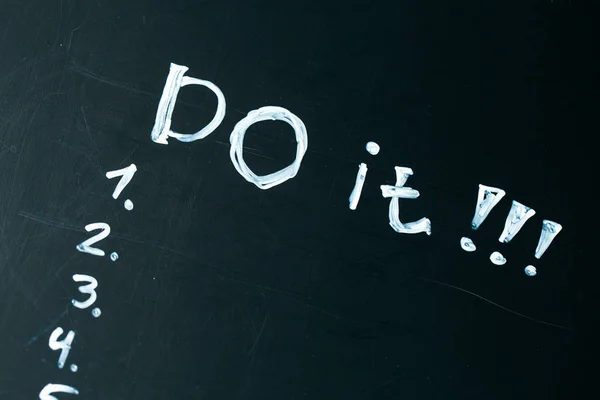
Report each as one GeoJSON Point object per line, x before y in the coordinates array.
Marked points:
{"type": "Point", "coordinates": [92, 75]}
{"type": "Point", "coordinates": [136, 283]}
{"type": "Point", "coordinates": [267, 288]}
{"type": "Point", "coordinates": [137, 146]}
{"type": "Point", "coordinates": [57, 275]}
{"type": "Point", "coordinates": [130, 353]}
{"type": "Point", "coordinates": [255, 152]}
{"type": "Point", "coordinates": [386, 383]}
{"type": "Point", "coordinates": [49, 222]}
{"type": "Point", "coordinates": [302, 300]}
{"type": "Point", "coordinates": [17, 165]}
{"type": "Point", "coordinates": [496, 304]}
{"type": "Point", "coordinates": [87, 128]}
{"type": "Point", "coordinates": [332, 186]}
{"type": "Point", "coordinates": [323, 311]}
{"type": "Point", "coordinates": [59, 24]}
{"type": "Point", "coordinates": [116, 214]}
{"type": "Point", "coordinates": [249, 150]}
{"type": "Point", "coordinates": [61, 225]}
{"type": "Point", "coordinates": [46, 329]}
{"type": "Point", "coordinates": [27, 65]}
{"type": "Point", "coordinates": [192, 199]}
{"type": "Point", "coordinates": [85, 72]}
{"type": "Point", "coordinates": [205, 263]}
{"type": "Point", "coordinates": [6, 148]}
{"type": "Point", "coordinates": [206, 322]}
{"type": "Point", "coordinates": [260, 332]}
{"type": "Point", "coordinates": [6, 28]}
{"type": "Point", "coordinates": [78, 28]}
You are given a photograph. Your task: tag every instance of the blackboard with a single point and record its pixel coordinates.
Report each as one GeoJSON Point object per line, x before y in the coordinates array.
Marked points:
{"type": "Point", "coordinates": [221, 290]}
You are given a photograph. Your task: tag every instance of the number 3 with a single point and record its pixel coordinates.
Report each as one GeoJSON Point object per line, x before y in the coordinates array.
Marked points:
{"type": "Point", "coordinates": [85, 247]}
{"type": "Point", "coordinates": [86, 289]}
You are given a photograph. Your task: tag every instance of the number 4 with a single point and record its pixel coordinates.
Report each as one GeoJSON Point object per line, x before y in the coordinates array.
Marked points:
{"type": "Point", "coordinates": [63, 345]}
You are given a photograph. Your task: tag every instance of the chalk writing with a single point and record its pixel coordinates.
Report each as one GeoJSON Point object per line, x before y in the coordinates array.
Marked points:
{"type": "Point", "coordinates": [487, 198]}
{"type": "Point", "coordinates": [86, 289]}
{"type": "Point", "coordinates": [63, 345]}
{"type": "Point", "coordinates": [549, 231]}
{"type": "Point", "coordinates": [128, 205]}
{"type": "Point", "coordinates": [373, 148]}
{"type": "Point", "coordinates": [237, 146]}
{"type": "Point", "coordinates": [467, 244]}
{"type": "Point", "coordinates": [126, 175]}
{"type": "Point", "coordinates": [49, 389]}
{"type": "Point", "coordinates": [162, 124]}
{"type": "Point", "coordinates": [85, 246]}
{"type": "Point", "coordinates": [399, 191]}
{"type": "Point", "coordinates": [497, 258]}
{"type": "Point", "coordinates": [517, 216]}
{"type": "Point", "coordinates": [361, 175]}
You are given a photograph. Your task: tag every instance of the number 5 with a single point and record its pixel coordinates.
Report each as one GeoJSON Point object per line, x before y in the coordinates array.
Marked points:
{"type": "Point", "coordinates": [85, 247]}
{"type": "Point", "coordinates": [46, 393]}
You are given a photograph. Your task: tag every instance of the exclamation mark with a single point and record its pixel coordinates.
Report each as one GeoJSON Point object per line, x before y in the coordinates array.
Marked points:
{"type": "Point", "coordinates": [549, 231]}
{"type": "Point", "coordinates": [487, 198]}
{"type": "Point", "coordinates": [517, 216]}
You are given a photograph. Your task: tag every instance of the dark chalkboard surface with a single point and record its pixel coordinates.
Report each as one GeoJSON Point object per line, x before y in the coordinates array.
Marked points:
{"type": "Point", "coordinates": [211, 288]}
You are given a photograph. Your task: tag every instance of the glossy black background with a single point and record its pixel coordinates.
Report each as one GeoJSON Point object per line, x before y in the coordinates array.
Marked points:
{"type": "Point", "coordinates": [225, 291]}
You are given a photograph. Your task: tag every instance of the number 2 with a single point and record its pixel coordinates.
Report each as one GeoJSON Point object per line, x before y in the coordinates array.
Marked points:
{"type": "Point", "coordinates": [46, 392]}
{"type": "Point", "coordinates": [85, 247]}
{"type": "Point", "coordinates": [63, 345]}
{"type": "Point", "coordinates": [86, 289]}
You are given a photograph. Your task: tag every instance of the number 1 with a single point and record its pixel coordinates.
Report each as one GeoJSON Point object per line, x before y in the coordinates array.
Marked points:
{"type": "Point", "coordinates": [126, 175]}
